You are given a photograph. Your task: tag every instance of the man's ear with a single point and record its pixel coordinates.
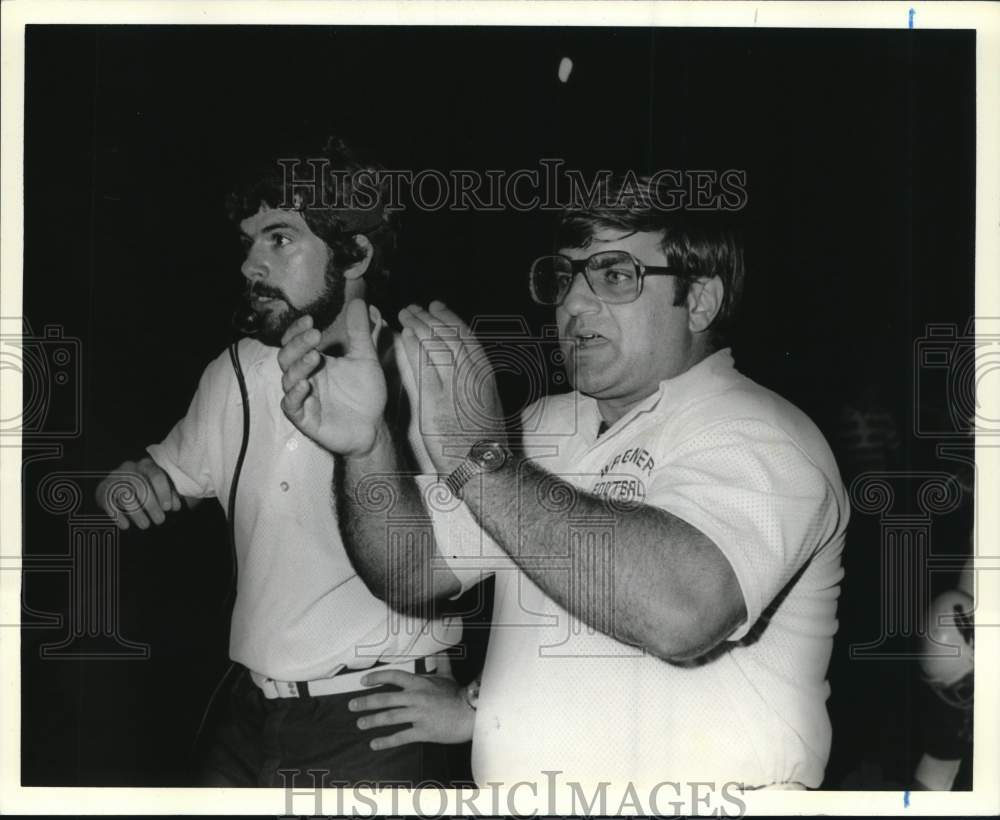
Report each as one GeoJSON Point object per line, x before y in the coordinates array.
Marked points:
{"type": "Point", "coordinates": [704, 300]}
{"type": "Point", "coordinates": [359, 268]}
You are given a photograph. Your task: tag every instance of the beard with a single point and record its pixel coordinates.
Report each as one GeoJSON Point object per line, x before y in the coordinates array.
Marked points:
{"type": "Point", "coordinates": [271, 324]}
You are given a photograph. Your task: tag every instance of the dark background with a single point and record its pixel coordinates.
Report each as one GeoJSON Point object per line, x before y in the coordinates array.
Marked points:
{"type": "Point", "coordinates": [859, 153]}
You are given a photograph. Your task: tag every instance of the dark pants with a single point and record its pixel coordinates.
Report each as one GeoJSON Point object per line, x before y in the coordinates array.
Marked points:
{"type": "Point", "coordinates": [306, 743]}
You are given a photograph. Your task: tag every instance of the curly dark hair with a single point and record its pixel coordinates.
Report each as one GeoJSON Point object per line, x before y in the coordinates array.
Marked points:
{"type": "Point", "coordinates": [339, 196]}
{"type": "Point", "coordinates": [701, 244]}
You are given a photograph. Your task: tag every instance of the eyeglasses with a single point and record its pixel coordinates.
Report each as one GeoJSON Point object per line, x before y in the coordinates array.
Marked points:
{"type": "Point", "coordinates": [614, 277]}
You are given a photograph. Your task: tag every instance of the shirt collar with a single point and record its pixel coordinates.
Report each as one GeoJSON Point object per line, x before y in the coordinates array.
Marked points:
{"type": "Point", "coordinates": [684, 384]}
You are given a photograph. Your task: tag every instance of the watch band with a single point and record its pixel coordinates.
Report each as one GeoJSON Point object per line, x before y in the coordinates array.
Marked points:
{"type": "Point", "coordinates": [459, 477]}
{"type": "Point", "coordinates": [484, 456]}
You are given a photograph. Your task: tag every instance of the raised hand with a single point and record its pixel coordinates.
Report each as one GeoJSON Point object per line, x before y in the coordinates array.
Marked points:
{"type": "Point", "coordinates": [459, 402]}
{"type": "Point", "coordinates": [435, 706]}
{"type": "Point", "coordinates": [336, 401]}
{"type": "Point", "coordinates": [140, 492]}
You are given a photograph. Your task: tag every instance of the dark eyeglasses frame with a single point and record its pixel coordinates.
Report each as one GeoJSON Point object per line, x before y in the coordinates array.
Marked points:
{"type": "Point", "coordinates": [581, 266]}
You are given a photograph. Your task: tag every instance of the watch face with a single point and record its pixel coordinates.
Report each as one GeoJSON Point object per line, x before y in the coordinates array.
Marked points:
{"type": "Point", "coordinates": [490, 455]}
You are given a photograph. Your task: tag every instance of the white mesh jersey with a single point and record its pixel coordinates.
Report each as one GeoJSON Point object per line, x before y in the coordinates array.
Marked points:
{"type": "Point", "coordinates": [301, 611]}
{"type": "Point", "coordinates": [753, 473]}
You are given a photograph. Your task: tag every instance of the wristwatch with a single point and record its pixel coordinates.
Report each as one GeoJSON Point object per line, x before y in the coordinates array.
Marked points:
{"type": "Point", "coordinates": [484, 456]}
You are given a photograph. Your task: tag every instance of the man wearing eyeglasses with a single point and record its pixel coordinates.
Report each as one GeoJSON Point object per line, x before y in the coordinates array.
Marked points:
{"type": "Point", "coordinates": [666, 538]}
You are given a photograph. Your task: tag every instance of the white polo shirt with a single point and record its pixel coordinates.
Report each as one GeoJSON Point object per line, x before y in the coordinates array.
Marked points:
{"type": "Point", "coordinates": [301, 611]}
{"type": "Point", "coordinates": [752, 473]}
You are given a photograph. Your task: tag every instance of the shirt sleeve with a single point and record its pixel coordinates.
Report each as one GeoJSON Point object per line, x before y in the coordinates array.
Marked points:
{"type": "Point", "coordinates": [191, 453]}
{"type": "Point", "coordinates": [750, 488]}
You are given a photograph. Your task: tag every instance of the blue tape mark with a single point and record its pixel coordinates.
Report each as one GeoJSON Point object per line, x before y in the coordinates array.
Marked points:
{"type": "Point", "coordinates": [906, 794]}
{"type": "Point", "coordinates": [913, 13]}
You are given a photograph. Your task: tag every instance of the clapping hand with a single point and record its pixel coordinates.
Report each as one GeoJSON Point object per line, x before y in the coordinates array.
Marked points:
{"type": "Point", "coordinates": [336, 401]}
{"type": "Point", "coordinates": [459, 402]}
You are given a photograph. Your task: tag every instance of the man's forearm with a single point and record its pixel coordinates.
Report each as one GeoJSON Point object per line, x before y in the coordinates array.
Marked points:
{"type": "Point", "coordinates": [646, 577]}
{"type": "Point", "coordinates": [386, 529]}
